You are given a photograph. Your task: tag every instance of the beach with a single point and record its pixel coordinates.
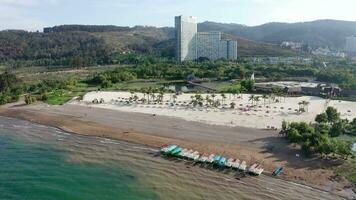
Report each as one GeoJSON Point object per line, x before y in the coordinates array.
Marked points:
{"type": "Point", "coordinates": [249, 144]}
{"type": "Point", "coordinates": [265, 113]}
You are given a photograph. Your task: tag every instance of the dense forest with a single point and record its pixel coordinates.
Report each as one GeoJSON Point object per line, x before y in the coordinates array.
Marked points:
{"type": "Point", "coordinates": [72, 48]}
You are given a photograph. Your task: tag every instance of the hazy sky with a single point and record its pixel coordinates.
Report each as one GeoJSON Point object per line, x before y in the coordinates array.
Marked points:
{"type": "Point", "coordinates": [35, 14]}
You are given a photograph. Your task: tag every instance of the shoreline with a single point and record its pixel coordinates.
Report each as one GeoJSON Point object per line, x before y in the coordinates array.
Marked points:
{"type": "Point", "coordinates": [75, 125]}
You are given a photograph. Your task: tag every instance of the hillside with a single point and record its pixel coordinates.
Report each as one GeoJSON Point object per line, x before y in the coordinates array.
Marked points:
{"type": "Point", "coordinates": [91, 45]}
{"type": "Point", "coordinates": [321, 33]}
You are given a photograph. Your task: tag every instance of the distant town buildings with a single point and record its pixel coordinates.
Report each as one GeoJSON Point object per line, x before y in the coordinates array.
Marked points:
{"type": "Point", "coordinates": [193, 45]}
{"type": "Point", "coordinates": [351, 46]}
{"type": "Point", "coordinates": [297, 46]}
{"type": "Point", "coordinates": [327, 52]}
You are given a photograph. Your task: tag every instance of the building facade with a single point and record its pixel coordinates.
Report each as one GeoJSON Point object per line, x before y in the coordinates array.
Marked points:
{"type": "Point", "coordinates": [208, 45]}
{"type": "Point", "coordinates": [351, 46]}
{"type": "Point", "coordinates": [193, 45]}
{"type": "Point", "coordinates": [231, 50]}
{"type": "Point", "coordinates": [186, 32]}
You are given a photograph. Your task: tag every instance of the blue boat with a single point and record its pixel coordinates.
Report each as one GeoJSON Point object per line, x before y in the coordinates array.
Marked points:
{"type": "Point", "coordinates": [217, 158]}
{"type": "Point", "coordinates": [222, 161]}
{"type": "Point", "coordinates": [176, 151]}
{"type": "Point", "coordinates": [278, 171]}
{"type": "Point", "coordinates": [171, 148]}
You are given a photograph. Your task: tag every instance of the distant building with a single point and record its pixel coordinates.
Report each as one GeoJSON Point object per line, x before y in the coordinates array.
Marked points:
{"type": "Point", "coordinates": [193, 45]}
{"type": "Point", "coordinates": [351, 46]}
{"type": "Point", "coordinates": [186, 32]}
{"type": "Point", "coordinates": [208, 45]}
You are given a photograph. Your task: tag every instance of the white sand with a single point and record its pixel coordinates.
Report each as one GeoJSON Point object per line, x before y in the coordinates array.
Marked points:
{"type": "Point", "coordinates": [258, 117]}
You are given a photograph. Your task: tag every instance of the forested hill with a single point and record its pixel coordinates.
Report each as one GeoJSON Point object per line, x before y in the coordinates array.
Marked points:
{"type": "Point", "coordinates": [90, 45]}
{"type": "Point", "coordinates": [321, 33]}
{"type": "Point", "coordinates": [86, 28]}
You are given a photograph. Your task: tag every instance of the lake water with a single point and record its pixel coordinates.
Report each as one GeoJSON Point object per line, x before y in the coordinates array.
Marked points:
{"type": "Point", "coordinates": [43, 163]}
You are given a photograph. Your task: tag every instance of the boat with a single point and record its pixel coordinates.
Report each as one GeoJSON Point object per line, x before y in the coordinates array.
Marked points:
{"type": "Point", "coordinates": [203, 158]}
{"type": "Point", "coordinates": [216, 159]}
{"type": "Point", "coordinates": [259, 170]}
{"type": "Point", "coordinates": [242, 166]}
{"type": "Point", "coordinates": [236, 164]}
{"type": "Point", "coordinates": [211, 158]}
{"type": "Point", "coordinates": [194, 155]}
{"type": "Point", "coordinates": [255, 169]}
{"type": "Point", "coordinates": [168, 149]}
{"type": "Point", "coordinates": [181, 154]}
{"type": "Point", "coordinates": [278, 171]}
{"type": "Point", "coordinates": [221, 162]}
{"type": "Point", "coordinates": [187, 153]}
{"type": "Point", "coordinates": [176, 151]}
{"type": "Point", "coordinates": [229, 162]}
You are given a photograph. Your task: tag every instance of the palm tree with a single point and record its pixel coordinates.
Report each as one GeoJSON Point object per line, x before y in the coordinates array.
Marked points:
{"type": "Point", "coordinates": [174, 98]}
{"type": "Point", "coordinates": [160, 97]}
{"type": "Point", "coordinates": [223, 96]}
{"type": "Point", "coordinates": [264, 97]}
{"type": "Point", "coordinates": [153, 96]}
{"type": "Point", "coordinates": [213, 96]}
{"type": "Point", "coordinates": [304, 105]}
{"type": "Point", "coordinates": [232, 105]}
{"type": "Point", "coordinates": [207, 99]}
{"type": "Point", "coordinates": [251, 98]}
{"type": "Point", "coordinates": [257, 99]}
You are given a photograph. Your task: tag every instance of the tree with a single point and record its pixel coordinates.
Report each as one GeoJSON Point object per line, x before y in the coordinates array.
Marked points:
{"type": "Point", "coordinates": [325, 146]}
{"type": "Point", "coordinates": [332, 114]}
{"type": "Point", "coordinates": [223, 96]}
{"type": "Point", "coordinates": [248, 85]}
{"type": "Point", "coordinates": [284, 125]}
{"type": "Point", "coordinates": [264, 97]}
{"type": "Point", "coordinates": [321, 118]}
{"type": "Point", "coordinates": [251, 98]}
{"type": "Point", "coordinates": [29, 99]}
{"type": "Point", "coordinates": [294, 136]}
{"type": "Point", "coordinates": [257, 99]}
{"type": "Point", "coordinates": [304, 105]}
{"type": "Point", "coordinates": [344, 148]}
{"type": "Point", "coordinates": [232, 105]}
{"type": "Point", "coordinates": [337, 129]}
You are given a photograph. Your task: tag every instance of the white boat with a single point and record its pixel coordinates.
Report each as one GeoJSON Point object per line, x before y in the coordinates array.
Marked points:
{"type": "Point", "coordinates": [187, 153]}
{"type": "Point", "coordinates": [203, 158]}
{"type": "Point", "coordinates": [256, 169]}
{"type": "Point", "coordinates": [182, 152]}
{"type": "Point", "coordinates": [242, 166]}
{"type": "Point", "coordinates": [236, 164]}
{"type": "Point", "coordinates": [210, 158]}
{"type": "Point", "coordinates": [229, 162]}
{"type": "Point", "coordinates": [167, 148]}
{"type": "Point", "coordinates": [194, 155]}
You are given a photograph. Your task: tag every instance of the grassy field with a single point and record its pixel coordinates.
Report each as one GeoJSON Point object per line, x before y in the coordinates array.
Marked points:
{"type": "Point", "coordinates": [347, 170]}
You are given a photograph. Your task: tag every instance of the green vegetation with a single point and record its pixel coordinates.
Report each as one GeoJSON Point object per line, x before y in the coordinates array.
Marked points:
{"type": "Point", "coordinates": [10, 90]}
{"type": "Point", "coordinates": [322, 137]}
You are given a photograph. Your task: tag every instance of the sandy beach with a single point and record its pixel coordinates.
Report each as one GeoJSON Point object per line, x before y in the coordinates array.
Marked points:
{"type": "Point", "coordinates": [249, 144]}
{"type": "Point", "coordinates": [265, 113]}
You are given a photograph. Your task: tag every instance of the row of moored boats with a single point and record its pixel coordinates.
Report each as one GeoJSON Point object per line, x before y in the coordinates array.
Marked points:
{"type": "Point", "coordinates": [217, 160]}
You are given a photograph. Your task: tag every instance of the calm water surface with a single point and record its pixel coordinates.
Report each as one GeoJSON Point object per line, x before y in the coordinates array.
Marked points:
{"type": "Point", "coordinates": [43, 163]}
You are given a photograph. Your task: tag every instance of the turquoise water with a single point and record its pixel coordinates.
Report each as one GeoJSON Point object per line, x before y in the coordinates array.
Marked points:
{"type": "Point", "coordinates": [35, 170]}
{"type": "Point", "coordinates": [44, 163]}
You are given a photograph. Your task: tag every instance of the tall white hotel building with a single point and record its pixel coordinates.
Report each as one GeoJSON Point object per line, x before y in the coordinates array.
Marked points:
{"type": "Point", "coordinates": [351, 46]}
{"type": "Point", "coordinates": [192, 45]}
